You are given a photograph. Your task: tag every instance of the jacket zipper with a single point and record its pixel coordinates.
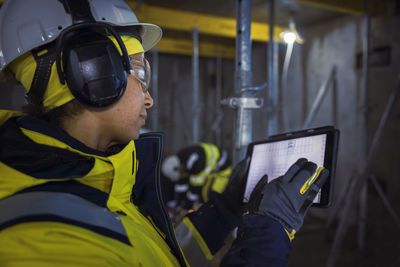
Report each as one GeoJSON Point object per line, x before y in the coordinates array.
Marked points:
{"type": "Point", "coordinates": [170, 232]}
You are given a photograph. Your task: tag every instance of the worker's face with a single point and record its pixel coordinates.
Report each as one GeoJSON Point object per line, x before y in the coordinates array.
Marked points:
{"type": "Point", "coordinates": [125, 118]}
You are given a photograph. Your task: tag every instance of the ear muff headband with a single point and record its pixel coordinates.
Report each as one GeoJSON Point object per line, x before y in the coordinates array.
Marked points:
{"type": "Point", "coordinates": [89, 86]}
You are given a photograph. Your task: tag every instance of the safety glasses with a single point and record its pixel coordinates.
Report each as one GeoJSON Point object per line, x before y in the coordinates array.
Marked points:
{"type": "Point", "coordinates": [140, 69]}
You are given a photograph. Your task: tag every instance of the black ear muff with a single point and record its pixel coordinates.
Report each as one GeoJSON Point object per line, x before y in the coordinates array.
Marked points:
{"type": "Point", "coordinates": [94, 70]}
{"type": "Point", "coordinates": [92, 66]}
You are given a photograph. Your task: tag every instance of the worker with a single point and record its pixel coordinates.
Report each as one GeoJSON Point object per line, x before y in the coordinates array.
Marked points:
{"type": "Point", "coordinates": [78, 185]}
{"type": "Point", "coordinates": [195, 171]}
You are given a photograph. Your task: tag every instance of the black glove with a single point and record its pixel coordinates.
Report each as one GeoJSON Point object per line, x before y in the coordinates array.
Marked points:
{"type": "Point", "coordinates": [288, 198]}
{"type": "Point", "coordinates": [232, 197]}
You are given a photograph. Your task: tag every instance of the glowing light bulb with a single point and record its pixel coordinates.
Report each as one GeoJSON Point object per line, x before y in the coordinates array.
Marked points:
{"type": "Point", "coordinates": [289, 37]}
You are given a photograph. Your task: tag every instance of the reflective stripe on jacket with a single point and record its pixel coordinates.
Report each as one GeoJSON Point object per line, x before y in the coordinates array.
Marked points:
{"type": "Point", "coordinates": [61, 207]}
{"type": "Point", "coordinates": [212, 156]}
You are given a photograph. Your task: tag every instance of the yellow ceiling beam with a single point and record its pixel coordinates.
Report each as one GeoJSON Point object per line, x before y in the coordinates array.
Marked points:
{"type": "Point", "coordinates": [173, 19]}
{"type": "Point", "coordinates": [185, 47]}
{"type": "Point", "coordinates": [354, 7]}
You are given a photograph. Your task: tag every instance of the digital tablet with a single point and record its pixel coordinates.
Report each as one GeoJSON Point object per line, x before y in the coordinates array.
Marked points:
{"type": "Point", "coordinates": [275, 155]}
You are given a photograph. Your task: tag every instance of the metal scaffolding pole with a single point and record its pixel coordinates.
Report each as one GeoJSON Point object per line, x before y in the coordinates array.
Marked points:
{"type": "Point", "coordinates": [363, 128]}
{"type": "Point", "coordinates": [275, 129]}
{"type": "Point", "coordinates": [320, 96]}
{"type": "Point", "coordinates": [218, 96]}
{"type": "Point", "coordinates": [243, 78]}
{"type": "Point", "coordinates": [195, 79]}
{"type": "Point", "coordinates": [154, 91]}
{"type": "Point", "coordinates": [385, 200]}
{"type": "Point", "coordinates": [273, 96]}
{"type": "Point", "coordinates": [360, 179]}
{"type": "Point", "coordinates": [334, 102]}
{"type": "Point", "coordinates": [282, 113]}
{"type": "Point", "coordinates": [244, 101]}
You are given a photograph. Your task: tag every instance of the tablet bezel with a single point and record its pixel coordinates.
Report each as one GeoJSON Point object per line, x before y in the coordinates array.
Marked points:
{"type": "Point", "coordinates": [330, 158]}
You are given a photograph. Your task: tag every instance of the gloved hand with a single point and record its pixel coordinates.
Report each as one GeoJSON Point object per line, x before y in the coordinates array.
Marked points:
{"type": "Point", "coordinates": [232, 197]}
{"type": "Point", "coordinates": [288, 198]}
{"type": "Point", "coordinates": [222, 212]}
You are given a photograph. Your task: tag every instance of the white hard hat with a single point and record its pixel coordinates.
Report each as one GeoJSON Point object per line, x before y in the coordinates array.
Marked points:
{"type": "Point", "coordinates": [171, 168]}
{"type": "Point", "coordinates": [27, 24]}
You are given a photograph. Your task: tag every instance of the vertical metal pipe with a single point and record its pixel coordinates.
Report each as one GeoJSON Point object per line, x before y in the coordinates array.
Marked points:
{"type": "Point", "coordinates": [174, 104]}
{"type": "Point", "coordinates": [243, 77]}
{"type": "Point", "coordinates": [218, 97]}
{"type": "Point", "coordinates": [367, 165]}
{"type": "Point", "coordinates": [272, 102]}
{"type": "Point", "coordinates": [364, 129]}
{"type": "Point", "coordinates": [334, 101]}
{"type": "Point", "coordinates": [277, 94]}
{"type": "Point", "coordinates": [154, 91]}
{"type": "Point", "coordinates": [282, 114]}
{"type": "Point", "coordinates": [195, 79]}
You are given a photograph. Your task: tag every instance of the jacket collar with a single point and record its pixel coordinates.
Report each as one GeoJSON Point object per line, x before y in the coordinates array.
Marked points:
{"type": "Point", "coordinates": [44, 151]}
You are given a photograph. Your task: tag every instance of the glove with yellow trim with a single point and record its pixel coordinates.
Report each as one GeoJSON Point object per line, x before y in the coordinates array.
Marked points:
{"type": "Point", "coordinates": [288, 198]}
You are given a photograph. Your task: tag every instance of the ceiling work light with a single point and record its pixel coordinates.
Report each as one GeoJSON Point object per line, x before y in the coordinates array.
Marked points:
{"type": "Point", "coordinates": [292, 35]}
{"type": "Point", "coordinates": [289, 37]}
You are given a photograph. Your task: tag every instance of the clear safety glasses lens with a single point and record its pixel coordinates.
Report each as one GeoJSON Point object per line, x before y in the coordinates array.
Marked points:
{"type": "Point", "coordinates": [140, 69]}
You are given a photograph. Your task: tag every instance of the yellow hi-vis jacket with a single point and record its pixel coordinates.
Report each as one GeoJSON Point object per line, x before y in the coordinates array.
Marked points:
{"type": "Point", "coordinates": [64, 204]}
{"type": "Point", "coordinates": [216, 177]}
{"type": "Point", "coordinates": [204, 168]}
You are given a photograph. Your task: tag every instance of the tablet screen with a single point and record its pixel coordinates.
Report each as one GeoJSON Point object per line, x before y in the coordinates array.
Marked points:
{"type": "Point", "coordinates": [275, 158]}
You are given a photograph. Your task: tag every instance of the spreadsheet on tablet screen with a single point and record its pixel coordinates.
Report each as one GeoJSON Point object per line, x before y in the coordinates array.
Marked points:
{"type": "Point", "coordinates": [275, 158]}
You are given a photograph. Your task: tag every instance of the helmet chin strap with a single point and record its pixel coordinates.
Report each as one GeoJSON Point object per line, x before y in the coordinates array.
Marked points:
{"type": "Point", "coordinates": [44, 62]}
{"type": "Point", "coordinates": [80, 12]}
